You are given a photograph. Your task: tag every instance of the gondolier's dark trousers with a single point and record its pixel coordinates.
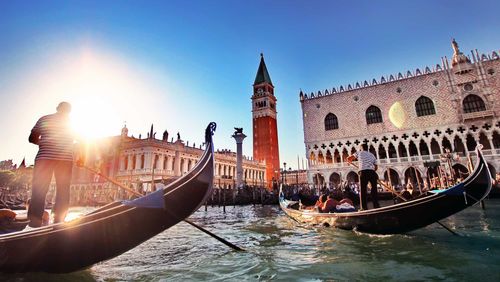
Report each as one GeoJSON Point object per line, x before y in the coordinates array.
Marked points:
{"type": "Point", "coordinates": [368, 176]}
{"type": "Point", "coordinates": [42, 176]}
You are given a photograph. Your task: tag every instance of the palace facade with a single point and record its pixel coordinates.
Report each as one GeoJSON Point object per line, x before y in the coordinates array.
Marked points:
{"type": "Point", "coordinates": [139, 163]}
{"type": "Point", "coordinates": [409, 121]}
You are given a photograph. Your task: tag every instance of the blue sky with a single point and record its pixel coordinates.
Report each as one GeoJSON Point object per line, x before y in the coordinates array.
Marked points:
{"type": "Point", "coordinates": [181, 64]}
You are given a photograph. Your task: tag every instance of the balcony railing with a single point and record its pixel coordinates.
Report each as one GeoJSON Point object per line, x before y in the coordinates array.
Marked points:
{"type": "Point", "coordinates": [475, 115]}
{"type": "Point", "coordinates": [415, 159]}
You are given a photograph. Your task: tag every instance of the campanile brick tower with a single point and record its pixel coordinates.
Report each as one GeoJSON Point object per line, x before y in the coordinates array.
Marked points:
{"type": "Point", "coordinates": [265, 129]}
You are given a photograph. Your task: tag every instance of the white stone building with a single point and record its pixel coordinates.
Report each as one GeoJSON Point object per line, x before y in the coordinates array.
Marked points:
{"type": "Point", "coordinates": [137, 163]}
{"type": "Point", "coordinates": [407, 120]}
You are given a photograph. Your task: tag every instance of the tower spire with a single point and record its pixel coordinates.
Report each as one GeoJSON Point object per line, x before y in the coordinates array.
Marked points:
{"type": "Point", "coordinates": [262, 74]}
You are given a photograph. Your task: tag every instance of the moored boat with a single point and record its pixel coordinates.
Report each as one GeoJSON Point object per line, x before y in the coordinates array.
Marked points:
{"type": "Point", "coordinates": [112, 229]}
{"type": "Point", "coordinates": [405, 216]}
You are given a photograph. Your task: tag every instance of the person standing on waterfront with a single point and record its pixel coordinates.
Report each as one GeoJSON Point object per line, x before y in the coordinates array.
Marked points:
{"type": "Point", "coordinates": [367, 174]}
{"type": "Point", "coordinates": [53, 135]}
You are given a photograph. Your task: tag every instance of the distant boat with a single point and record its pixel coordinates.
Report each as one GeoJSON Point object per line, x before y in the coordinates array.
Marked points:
{"type": "Point", "coordinates": [111, 230]}
{"type": "Point", "coordinates": [406, 216]}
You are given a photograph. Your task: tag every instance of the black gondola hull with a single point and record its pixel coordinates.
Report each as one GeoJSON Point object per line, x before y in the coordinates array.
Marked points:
{"type": "Point", "coordinates": [407, 216]}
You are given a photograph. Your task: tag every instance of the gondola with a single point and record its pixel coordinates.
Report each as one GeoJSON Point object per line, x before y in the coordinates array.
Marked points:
{"type": "Point", "coordinates": [405, 216]}
{"type": "Point", "coordinates": [110, 230]}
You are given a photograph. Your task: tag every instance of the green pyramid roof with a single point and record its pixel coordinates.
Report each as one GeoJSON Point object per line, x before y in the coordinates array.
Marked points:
{"type": "Point", "coordinates": [262, 74]}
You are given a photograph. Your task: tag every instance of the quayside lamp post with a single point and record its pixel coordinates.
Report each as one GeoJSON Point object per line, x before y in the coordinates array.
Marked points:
{"type": "Point", "coordinates": [283, 177]}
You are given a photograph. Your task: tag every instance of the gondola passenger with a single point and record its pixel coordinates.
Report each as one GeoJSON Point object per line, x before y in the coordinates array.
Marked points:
{"type": "Point", "coordinates": [329, 205]}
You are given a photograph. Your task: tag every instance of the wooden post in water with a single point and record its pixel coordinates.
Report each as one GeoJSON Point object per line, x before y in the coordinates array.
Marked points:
{"type": "Point", "coordinates": [219, 197]}
{"type": "Point", "coordinates": [253, 196]}
{"type": "Point", "coordinates": [261, 196]}
{"type": "Point", "coordinates": [224, 201]}
{"type": "Point", "coordinates": [234, 195]}
{"type": "Point", "coordinates": [212, 197]}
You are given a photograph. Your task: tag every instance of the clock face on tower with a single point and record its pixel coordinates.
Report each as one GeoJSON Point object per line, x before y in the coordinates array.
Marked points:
{"type": "Point", "coordinates": [260, 91]}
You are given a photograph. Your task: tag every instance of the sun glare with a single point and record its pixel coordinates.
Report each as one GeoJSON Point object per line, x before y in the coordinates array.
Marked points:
{"type": "Point", "coordinates": [104, 91]}
{"type": "Point", "coordinates": [94, 118]}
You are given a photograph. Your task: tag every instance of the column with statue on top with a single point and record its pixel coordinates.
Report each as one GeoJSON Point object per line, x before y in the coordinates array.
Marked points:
{"type": "Point", "coordinates": [239, 136]}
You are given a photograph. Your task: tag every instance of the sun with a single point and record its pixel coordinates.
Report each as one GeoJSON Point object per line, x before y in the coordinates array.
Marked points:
{"type": "Point", "coordinates": [93, 117]}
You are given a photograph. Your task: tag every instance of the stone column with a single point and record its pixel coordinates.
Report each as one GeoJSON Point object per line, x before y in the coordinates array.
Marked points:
{"type": "Point", "coordinates": [476, 138]}
{"type": "Point", "coordinates": [137, 161]}
{"type": "Point", "coordinates": [418, 150]}
{"type": "Point", "coordinates": [407, 147]}
{"type": "Point", "coordinates": [177, 164]}
{"type": "Point", "coordinates": [239, 136]}
{"type": "Point", "coordinates": [490, 139]}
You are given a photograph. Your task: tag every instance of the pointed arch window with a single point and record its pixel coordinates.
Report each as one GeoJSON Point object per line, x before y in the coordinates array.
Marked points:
{"type": "Point", "coordinates": [473, 103]}
{"type": "Point", "coordinates": [424, 107]}
{"type": "Point", "coordinates": [373, 115]}
{"type": "Point", "coordinates": [331, 122]}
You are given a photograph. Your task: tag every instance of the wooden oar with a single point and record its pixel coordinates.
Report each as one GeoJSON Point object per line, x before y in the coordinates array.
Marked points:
{"type": "Point", "coordinates": [132, 191]}
{"type": "Point", "coordinates": [385, 185]}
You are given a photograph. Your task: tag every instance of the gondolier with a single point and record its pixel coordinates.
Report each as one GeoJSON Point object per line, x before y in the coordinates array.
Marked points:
{"type": "Point", "coordinates": [54, 138]}
{"type": "Point", "coordinates": [367, 167]}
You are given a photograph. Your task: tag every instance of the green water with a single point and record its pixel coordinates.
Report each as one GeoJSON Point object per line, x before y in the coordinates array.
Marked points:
{"type": "Point", "coordinates": [279, 249]}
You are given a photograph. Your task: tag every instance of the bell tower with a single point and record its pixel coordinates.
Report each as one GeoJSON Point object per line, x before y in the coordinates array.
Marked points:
{"type": "Point", "coordinates": [265, 129]}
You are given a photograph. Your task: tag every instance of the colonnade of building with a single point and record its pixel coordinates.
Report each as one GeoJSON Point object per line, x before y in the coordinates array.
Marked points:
{"type": "Point", "coordinates": [177, 164]}
{"type": "Point", "coordinates": [404, 150]}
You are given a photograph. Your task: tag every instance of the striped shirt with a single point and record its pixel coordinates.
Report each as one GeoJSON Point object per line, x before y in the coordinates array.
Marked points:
{"type": "Point", "coordinates": [366, 160]}
{"type": "Point", "coordinates": [56, 138]}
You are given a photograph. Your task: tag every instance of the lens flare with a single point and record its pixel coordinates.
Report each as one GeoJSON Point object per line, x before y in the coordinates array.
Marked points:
{"type": "Point", "coordinates": [397, 115]}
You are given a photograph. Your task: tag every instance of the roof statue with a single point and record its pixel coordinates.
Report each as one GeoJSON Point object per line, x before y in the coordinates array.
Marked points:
{"type": "Point", "coordinates": [124, 130]}
{"type": "Point", "coordinates": [238, 130]}
{"type": "Point", "coordinates": [454, 45]}
{"type": "Point", "coordinates": [458, 57]}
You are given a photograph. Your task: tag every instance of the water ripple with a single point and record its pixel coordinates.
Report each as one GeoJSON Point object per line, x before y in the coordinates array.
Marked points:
{"type": "Point", "coordinates": [280, 249]}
